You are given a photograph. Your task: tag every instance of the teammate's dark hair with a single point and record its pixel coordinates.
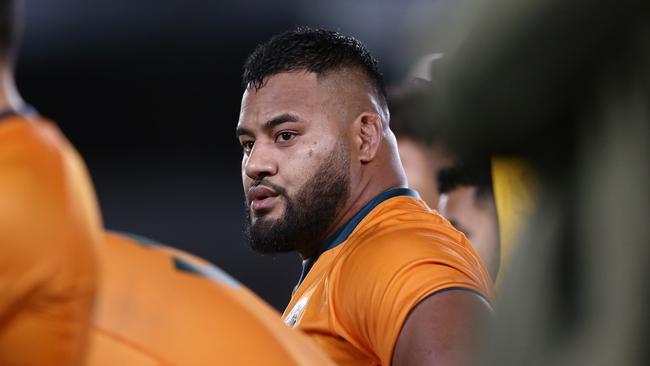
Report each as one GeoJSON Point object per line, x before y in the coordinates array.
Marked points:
{"type": "Point", "coordinates": [315, 50]}
{"type": "Point", "coordinates": [7, 27]}
{"type": "Point", "coordinates": [401, 103]}
{"type": "Point", "coordinates": [479, 176]}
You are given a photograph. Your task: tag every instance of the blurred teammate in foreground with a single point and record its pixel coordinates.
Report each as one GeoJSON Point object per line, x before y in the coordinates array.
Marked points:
{"type": "Point", "coordinates": [154, 305]}
{"type": "Point", "coordinates": [160, 306]}
{"type": "Point", "coordinates": [578, 109]}
{"type": "Point", "coordinates": [385, 279]}
{"type": "Point", "coordinates": [50, 230]}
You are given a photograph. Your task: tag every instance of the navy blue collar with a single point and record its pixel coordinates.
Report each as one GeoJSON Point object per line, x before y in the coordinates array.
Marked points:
{"type": "Point", "coordinates": [347, 229]}
{"type": "Point", "coordinates": [23, 109]}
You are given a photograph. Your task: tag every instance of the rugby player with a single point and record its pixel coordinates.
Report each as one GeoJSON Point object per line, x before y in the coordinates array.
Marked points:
{"type": "Point", "coordinates": [50, 229]}
{"type": "Point", "coordinates": [385, 279]}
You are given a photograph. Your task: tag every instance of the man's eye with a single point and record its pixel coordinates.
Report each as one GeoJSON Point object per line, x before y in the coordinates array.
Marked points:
{"type": "Point", "coordinates": [247, 146]}
{"type": "Point", "coordinates": [285, 136]}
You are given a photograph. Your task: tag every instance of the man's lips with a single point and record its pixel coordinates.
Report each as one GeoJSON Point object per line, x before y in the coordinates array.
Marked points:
{"type": "Point", "coordinates": [261, 197]}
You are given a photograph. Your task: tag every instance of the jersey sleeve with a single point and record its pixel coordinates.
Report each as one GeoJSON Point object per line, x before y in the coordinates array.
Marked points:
{"type": "Point", "coordinates": [382, 281]}
{"type": "Point", "coordinates": [49, 237]}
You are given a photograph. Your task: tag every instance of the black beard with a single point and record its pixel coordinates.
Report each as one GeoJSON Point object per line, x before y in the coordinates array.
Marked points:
{"type": "Point", "coordinates": [308, 216]}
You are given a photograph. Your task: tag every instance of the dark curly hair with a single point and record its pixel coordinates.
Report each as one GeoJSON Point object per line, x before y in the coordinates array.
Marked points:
{"type": "Point", "coordinates": [315, 50]}
{"type": "Point", "coordinates": [8, 9]}
{"type": "Point", "coordinates": [478, 175]}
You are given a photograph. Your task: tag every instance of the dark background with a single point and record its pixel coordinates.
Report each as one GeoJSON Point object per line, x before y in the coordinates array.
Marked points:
{"type": "Point", "coordinates": [149, 92]}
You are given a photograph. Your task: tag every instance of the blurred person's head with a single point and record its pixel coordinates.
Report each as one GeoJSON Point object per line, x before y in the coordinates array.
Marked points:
{"type": "Point", "coordinates": [314, 131]}
{"type": "Point", "coordinates": [10, 23]}
{"type": "Point", "coordinates": [7, 27]}
{"type": "Point", "coordinates": [467, 201]}
{"type": "Point", "coordinates": [421, 158]}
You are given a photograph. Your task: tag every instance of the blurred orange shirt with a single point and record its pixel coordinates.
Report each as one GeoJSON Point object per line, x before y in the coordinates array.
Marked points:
{"type": "Point", "coordinates": [393, 254]}
{"type": "Point", "coordinates": [160, 306]}
{"type": "Point", "coordinates": [50, 231]}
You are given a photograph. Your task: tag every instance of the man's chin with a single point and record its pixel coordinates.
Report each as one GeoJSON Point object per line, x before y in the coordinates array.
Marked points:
{"type": "Point", "coordinates": [268, 237]}
{"type": "Point", "coordinates": [270, 215]}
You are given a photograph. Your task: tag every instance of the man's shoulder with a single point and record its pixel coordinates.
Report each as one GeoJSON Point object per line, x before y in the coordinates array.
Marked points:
{"type": "Point", "coordinates": [35, 132]}
{"type": "Point", "coordinates": [34, 147]}
{"type": "Point", "coordinates": [405, 223]}
{"type": "Point", "coordinates": [44, 189]}
{"type": "Point", "coordinates": [406, 238]}
{"type": "Point", "coordinates": [403, 210]}
{"type": "Point", "coordinates": [146, 255]}
{"type": "Point", "coordinates": [40, 169]}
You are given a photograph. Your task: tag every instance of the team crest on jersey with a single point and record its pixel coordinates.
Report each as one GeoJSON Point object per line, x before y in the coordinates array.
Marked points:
{"type": "Point", "coordinates": [292, 318]}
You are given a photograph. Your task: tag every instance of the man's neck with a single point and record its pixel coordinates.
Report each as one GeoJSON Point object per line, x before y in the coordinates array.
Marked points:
{"type": "Point", "coordinates": [360, 198]}
{"type": "Point", "coordinates": [9, 97]}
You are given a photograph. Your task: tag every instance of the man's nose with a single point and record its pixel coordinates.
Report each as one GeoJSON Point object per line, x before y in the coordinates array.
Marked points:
{"type": "Point", "coordinates": [261, 163]}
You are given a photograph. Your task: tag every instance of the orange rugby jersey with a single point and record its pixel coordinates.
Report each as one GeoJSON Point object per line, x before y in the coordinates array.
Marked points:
{"type": "Point", "coordinates": [355, 297]}
{"type": "Point", "coordinates": [160, 306]}
{"type": "Point", "coordinates": [50, 231]}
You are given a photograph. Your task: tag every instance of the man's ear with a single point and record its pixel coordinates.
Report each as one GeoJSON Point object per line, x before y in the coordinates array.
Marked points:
{"type": "Point", "coordinates": [369, 135]}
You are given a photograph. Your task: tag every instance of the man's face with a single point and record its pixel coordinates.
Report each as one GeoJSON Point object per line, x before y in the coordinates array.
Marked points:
{"type": "Point", "coordinates": [477, 219]}
{"type": "Point", "coordinates": [295, 164]}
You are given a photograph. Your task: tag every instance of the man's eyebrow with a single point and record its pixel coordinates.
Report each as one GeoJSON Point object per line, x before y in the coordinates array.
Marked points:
{"type": "Point", "coordinates": [270, 124]}
{"type": "Point", "coordinates": [242, 131]}
{"type": "Point", "coordinates": [278, 120]}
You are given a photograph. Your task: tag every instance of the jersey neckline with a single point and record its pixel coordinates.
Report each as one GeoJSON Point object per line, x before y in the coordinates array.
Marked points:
{"type": "Point", "coordinates": [344, 232]}
{"type": "Point", "coordinates": [22, 110]}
